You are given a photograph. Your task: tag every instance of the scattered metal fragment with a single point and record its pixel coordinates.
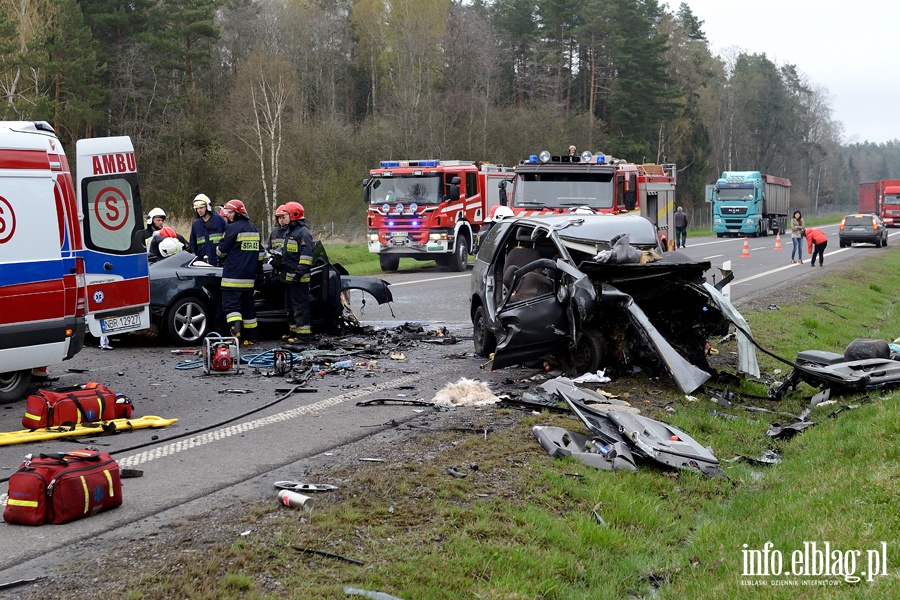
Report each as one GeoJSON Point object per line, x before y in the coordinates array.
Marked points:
{"type": "Point", "coordinates": [769, 457]}
{"type": "Point", "coordinates": [560, 443]}
{"type": "Point", "coordinates": [821, 397]}
{"type": "Point", "coordinates": [296, 390]}
{"type": "Point", "coordinates": [455, 473]}
{"type": "Point", "coordinates": [12, 584]}
{"type": "Point", "coordinates": [721, 415]}
{"type": "Point", "coordinates": [384, 401]}
{"type": "Point", "coordinates": [374, 595]}
{"type": "Point", "coordinates": [372, 459]}
{"type": "Point", "coordinates": [296, 486]}
{"type": "Point", "coordinates": [130, 473]}
{"type": "Point", "coordinates": [235, 391]}
{"type": "Point", "coordinates": [786, 432]}
{"type": "Point", "coordinates": [327, 555]}
{"type": "Point", "coordinates": [596, 514]}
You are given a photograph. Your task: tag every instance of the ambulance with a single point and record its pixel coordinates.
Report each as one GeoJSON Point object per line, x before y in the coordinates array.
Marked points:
{"type": "Point", "coordinates": [67, 263]}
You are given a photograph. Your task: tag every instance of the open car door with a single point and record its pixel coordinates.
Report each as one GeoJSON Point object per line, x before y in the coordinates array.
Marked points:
{"type": "Point", "coordinates": [116, 272]}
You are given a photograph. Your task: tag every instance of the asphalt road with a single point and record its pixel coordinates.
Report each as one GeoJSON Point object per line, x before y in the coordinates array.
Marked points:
{"type": "Point", "coordinates": [220, 450]}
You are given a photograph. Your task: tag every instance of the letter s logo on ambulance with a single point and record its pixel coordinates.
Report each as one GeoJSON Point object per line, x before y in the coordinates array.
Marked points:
{"type": "Point", "coordinates": [111, 208]}
{"type": "Point", "coordinates": [108, 164]}
{"type": "Point", "coordinates": [7, 220]}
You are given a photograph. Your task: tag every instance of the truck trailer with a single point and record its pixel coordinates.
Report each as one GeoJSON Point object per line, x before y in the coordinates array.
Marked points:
{"type": "Point", "coordinates": [750, 203]}
{"type": "Point", "coordinates": [881, 198]}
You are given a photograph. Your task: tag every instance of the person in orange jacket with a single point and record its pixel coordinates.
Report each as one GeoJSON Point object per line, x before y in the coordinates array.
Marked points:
{"type": "Point", "coordinates": [816, 242]}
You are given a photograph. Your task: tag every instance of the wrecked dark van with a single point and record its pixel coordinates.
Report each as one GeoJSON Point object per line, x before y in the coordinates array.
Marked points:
{"type": "Point", "coordinates": [596, 291]}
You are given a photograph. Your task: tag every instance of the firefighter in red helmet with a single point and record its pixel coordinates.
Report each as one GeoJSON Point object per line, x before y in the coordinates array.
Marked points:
{"type": "Point", "coordinates": [154, 248]}
{"type": "Point", "coordinates": [240, 254]}
{"type": "Point", "coordinates": [295, 267]}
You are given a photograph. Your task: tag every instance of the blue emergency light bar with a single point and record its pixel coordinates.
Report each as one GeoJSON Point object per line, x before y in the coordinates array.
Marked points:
{"type": "Point", "coordinates": [394, 164]}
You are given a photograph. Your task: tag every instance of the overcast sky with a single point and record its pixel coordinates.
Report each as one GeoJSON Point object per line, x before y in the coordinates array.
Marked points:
{"type": "Point", "coordinates": [850, 48]}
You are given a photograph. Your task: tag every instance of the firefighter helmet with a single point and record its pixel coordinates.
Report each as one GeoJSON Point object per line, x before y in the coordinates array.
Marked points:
{"type": "Point", "coordinates": [498, 213]}
{"type": "Point", "coordinates": [155, 212]}
{"type": "Point", "coordinates": [201, 200]}
{"type": "Point", "coordinates": [168, 232]}
{"type": "Point", "coordinates": [281, 210]}
{"type": "Point", "coordinates": [169, 246]}
{"type": "Point", "coordinates": [236, 206]}
{"type": "Point", "coordinates": [295, 210]}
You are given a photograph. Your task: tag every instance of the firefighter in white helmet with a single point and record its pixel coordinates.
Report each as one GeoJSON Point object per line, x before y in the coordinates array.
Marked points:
{"type": "Point", "coordinates": [156, 219]}
{"type": "Point", "coordinates": [497, 214]}
{"type": "Point", "coordinates": [207, 230]}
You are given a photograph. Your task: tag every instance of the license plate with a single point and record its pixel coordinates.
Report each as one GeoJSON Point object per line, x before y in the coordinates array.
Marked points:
{"type": "Point", "coordinates": [435, 249]}
{"type": "Point", "coordinates": [859, 229]}
{"type": "Point", "coordinates": [398, 234]}
{"type": "Point", "coordinates": [123, 322]}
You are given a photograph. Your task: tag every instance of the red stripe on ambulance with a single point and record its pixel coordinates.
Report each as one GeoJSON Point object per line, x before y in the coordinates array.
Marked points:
{"type": "Point", "coordinates": [40, 301]}
{"type": "Point", "coordinates": [24, 159]}
{"type": "Point", "coordinates": [116, 294]}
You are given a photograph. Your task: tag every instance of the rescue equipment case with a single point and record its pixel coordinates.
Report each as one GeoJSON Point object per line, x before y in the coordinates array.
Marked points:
{"type": "Point", "coordinates": [95, 402]}
{"type": "Point", "coordinates": [62, 487]}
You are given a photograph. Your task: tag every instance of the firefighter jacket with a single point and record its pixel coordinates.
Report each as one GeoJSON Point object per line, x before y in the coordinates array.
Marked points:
{"type": "Point", "coordinates": [240, 254]}
{"type": "Point", "coordinates": [276, 237]}
{"type": "Point", "coordinates": [206, 235]}
{"type": "Point", "coordinates": [298, 253]}
{"type": "Point", "coordinates": [153, 253]}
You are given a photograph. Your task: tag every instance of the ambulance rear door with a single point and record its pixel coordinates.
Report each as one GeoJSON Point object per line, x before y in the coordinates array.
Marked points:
{"type": "Point", "coordinates": [116, 272]}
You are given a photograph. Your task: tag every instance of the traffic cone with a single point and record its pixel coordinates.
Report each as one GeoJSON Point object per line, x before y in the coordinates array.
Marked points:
{"type": "Point", "coordinates": [778, 241]}
{"type": "Point", "coordinates": [746, 252]}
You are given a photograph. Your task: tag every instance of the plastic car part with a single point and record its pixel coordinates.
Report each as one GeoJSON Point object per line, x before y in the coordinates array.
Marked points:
{"type": "Point", "coordinates": [560, 443]}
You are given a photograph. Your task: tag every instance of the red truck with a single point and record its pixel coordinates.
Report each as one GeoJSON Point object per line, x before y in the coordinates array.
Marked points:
{"type": "Point", "coordinates": [881, 198]}
{"type": "Point", "coordinates": [429, 209]}
{"type": "Point", "coordinates": [597, 183]}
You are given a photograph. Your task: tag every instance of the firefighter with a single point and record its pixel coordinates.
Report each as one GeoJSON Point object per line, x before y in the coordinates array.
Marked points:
{"type": "Point", "coordinates": [276, 236]}
{"type": "Point", "coordinates": [497, 214]}
{"type": "Point", "coordinates": [241, 256]}
{"type": "Point", "coordinates": [155, 222]}
{"type": "Point", "coordinates": [294, 272]}
{"type": "Point", "coordinates": [155, 247]}
{"type": "Point", "coordinates": [206, 230]}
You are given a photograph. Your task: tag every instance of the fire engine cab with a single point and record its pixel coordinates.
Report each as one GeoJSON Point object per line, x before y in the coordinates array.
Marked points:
{"type": "Point", "coordinates": [598, 183]}
{"type": "Point", "coordinates": [429, 209]}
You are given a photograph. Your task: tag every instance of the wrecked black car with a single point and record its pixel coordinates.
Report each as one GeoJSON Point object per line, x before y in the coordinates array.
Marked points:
{"type": "Point", "coordinates": [185, 302]}
{"type": "Point", "coordinates": [596, 291]}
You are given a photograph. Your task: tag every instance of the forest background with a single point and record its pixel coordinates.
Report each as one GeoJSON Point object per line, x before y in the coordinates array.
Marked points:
{"type": "Point", "coordinates": [277, 100]}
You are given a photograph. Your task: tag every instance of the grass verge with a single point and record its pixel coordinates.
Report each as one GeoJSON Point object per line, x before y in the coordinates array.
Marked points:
{"type": "Point", "coordinates": [521, 525]}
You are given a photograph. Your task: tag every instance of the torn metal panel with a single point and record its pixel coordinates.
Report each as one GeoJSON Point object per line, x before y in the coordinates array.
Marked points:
{"type": "Point", "coordinates": [747, 360]}
{"type": "Point", "coordinates": [648, 438]}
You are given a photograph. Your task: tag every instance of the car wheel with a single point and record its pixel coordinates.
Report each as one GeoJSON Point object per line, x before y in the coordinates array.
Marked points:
{"type": "Point", "coordinates": [885, 241]}
{"type": "Point", "coordinates": [878, 242]}
{"type": "Point", "coordinates": [13, 385]}
{"type": "Point", "coordinates": [485, 341]}
{"type": "Point", "coordinates": [588, 354]}
{"type": "Point", "coordinates": [460, 255]}
{"type": "Point", "coordinates": [187, 322]}
{"type": "Point", "coordinates": [389, 262]}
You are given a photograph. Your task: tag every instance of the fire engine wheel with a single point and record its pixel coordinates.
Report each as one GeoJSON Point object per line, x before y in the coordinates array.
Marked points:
{"type": "Point", "coordinates": [389, 262]}
{"type": "Point", "coordinates": [587, 356]}
{"type": "Point", "coordinates": [187, 322]}
{"type": "Point", "coordinates": [13, 385]}
{"type": "Point", "coordinates": [460, 260]}
{"type": "Point", "coordinates": [485, 341]}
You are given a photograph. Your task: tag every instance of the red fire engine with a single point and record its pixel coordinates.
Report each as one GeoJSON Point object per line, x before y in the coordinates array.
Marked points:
{"type": "Point", "coordinates": [599, 183]}
{"type": "Point", "coordinates": [429, 209]}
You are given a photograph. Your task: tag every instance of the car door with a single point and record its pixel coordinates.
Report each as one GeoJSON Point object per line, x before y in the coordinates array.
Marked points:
{"type": "Point", "coordinates": [116, 273]}
{"type": "Point", "coordinates": [529, 319]}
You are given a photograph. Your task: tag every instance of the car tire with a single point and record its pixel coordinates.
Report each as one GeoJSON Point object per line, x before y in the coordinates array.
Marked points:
{"type": "Point", "coordinates": [878, 243]}
{"type": "Point", "coordinates": [885, 241]}
{"type": "Point", "coordinates": [389, 262]}
{"type": "Point", "coordinates": [485, 341]}
{"type": "Point", "coordinates": [460, 260]}
{"type": "Point", "coordinates": [587, 356]}
{"type": "Point", "coordinates": [13, 385]}
{"type": "Point", "coordinates": [187, 322]}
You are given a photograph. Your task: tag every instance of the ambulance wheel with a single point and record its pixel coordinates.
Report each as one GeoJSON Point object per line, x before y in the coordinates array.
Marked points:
{"type": "Point", "coordinates": [587, 356]}
{"type": "Point", "coordinates": [485, 341]}
{"type": "Point", "coordinates": [187, 322]}
{"type": "Point", "coordinates": [13, 385]}
{"type": "Point", "coordinates": [389, 262]}
{"type": "Point", "coordinates": [460, 260]}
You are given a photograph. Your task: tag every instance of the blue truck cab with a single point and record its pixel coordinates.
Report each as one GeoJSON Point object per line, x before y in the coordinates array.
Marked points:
{"type": "Point", "coordinates": [749, 203]}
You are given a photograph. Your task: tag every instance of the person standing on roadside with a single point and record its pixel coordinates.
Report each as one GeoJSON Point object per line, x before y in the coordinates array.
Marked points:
{"type": "Point", "coordinates": [798, 226]}
{"type": "Point", "coordinates": [241, 256]}
{"type": "Point", "coordinates": [296, 265]}
{"type": "Point", "coordinates": [816, 242]}
{"type": "Point", "coordinates": [207, 230]}
{"type": "Point", "coordinates": [681, 224]}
